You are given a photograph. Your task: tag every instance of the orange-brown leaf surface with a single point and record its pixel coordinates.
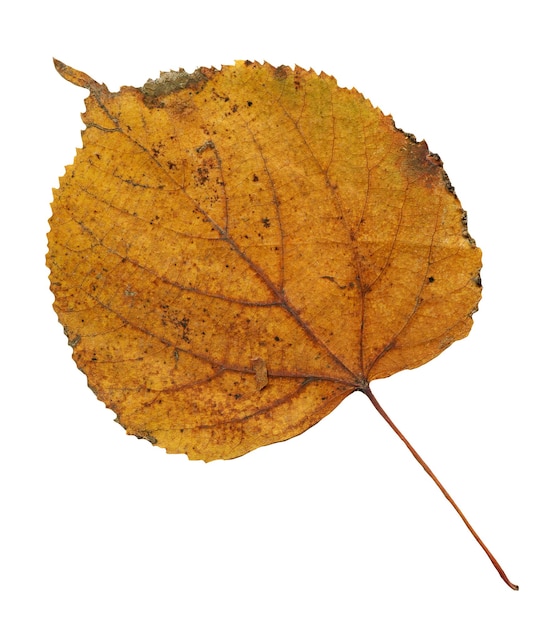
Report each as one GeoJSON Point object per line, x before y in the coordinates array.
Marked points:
{"type": "Point", "coordinates": [235, 251]}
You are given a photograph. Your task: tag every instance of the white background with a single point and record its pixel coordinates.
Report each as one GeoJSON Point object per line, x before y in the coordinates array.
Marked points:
{"type": "Point", "coordinates": [339, 525]}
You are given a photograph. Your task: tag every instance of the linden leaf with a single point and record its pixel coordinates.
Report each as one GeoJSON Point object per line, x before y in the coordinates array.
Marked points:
{"type": "Point", "coordinates": [234, 252]}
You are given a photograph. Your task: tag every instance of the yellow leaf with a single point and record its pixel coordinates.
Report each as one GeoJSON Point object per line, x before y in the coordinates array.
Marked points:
{"type": "Point", "coordinates": [234, 252]}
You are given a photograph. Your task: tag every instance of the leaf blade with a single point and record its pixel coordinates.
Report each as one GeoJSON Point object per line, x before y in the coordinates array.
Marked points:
{"type": "Point", "coordinates": [251, 215]}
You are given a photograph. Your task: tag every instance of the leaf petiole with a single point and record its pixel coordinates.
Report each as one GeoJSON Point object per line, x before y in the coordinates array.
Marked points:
{"type": "Point", "coordinates": [367, 391]}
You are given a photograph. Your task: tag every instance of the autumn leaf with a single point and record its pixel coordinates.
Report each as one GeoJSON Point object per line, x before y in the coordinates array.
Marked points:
{"type": "Point", "coordinates": [225, 229]}
{"type": "Point", "coordinates": [235, 251]}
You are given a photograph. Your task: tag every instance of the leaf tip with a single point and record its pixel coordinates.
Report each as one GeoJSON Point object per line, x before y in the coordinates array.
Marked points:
{"type": "Point", "coordinates": [75, 76]}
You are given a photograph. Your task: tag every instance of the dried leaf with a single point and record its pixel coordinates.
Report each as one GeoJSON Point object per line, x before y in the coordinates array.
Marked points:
{"type": "Point", "coordinates": [234, 252]}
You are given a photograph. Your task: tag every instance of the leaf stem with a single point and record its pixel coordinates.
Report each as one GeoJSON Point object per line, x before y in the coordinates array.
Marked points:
{"type": "Point", "coordinates": [367, 391]}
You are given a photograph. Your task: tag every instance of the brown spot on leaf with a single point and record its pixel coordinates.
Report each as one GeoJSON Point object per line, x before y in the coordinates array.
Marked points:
{"type": "Point", "coordinates": [260, 370]}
